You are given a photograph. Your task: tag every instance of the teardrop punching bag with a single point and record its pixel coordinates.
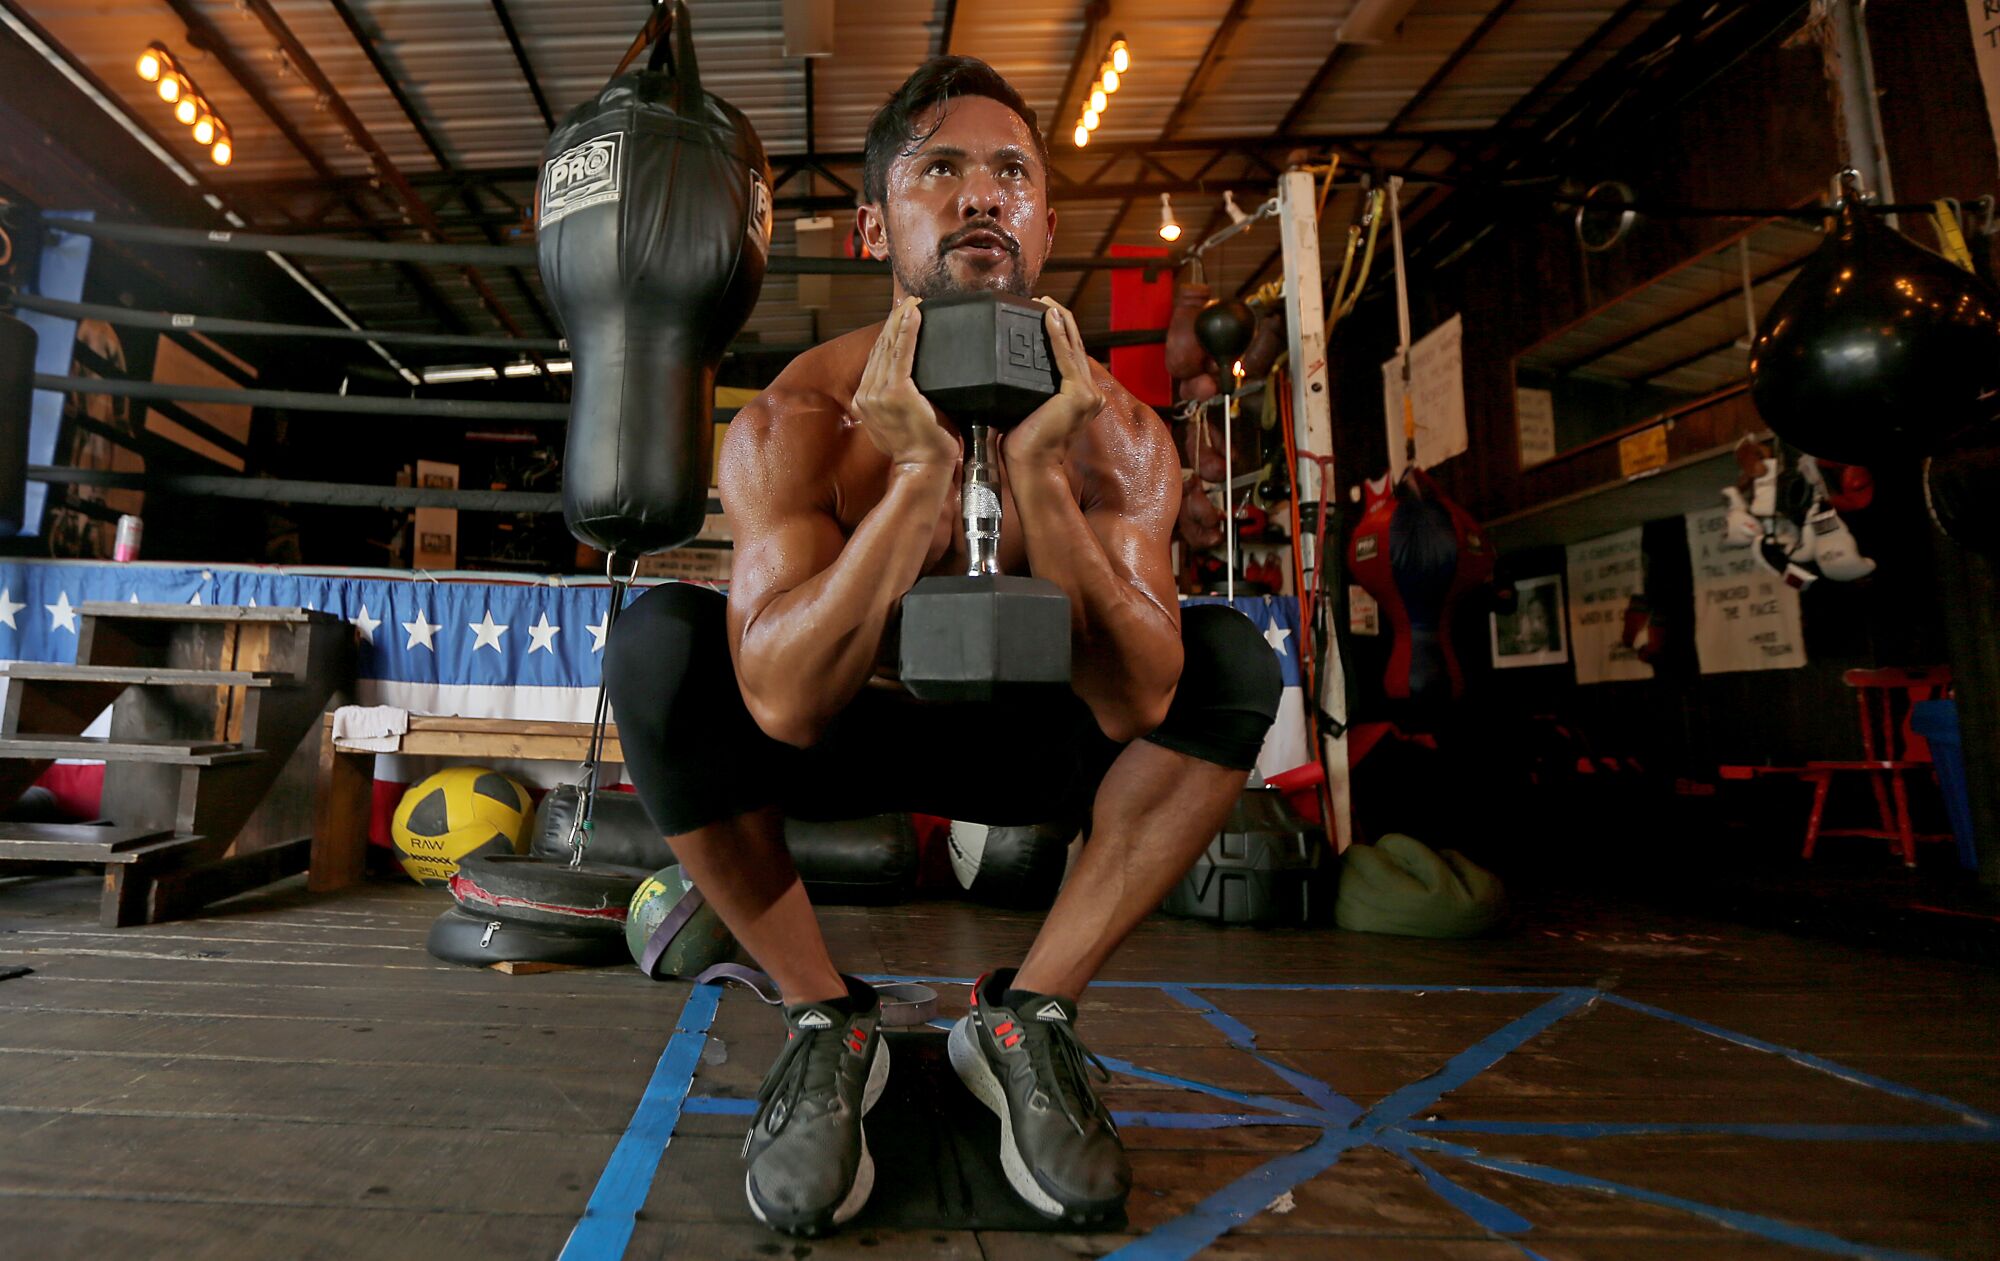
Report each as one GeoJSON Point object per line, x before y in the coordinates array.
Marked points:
{"type": "Point", "coordinates": [653, 226]}
{"type": "Point", "coordinates": [1878, 349]}
{"type": "Point", "coordinates": [17, 389]}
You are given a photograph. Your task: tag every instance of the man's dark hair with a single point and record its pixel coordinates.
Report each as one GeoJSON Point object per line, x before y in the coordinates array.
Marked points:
{"type": "Point", "coordinates": [893, 131]}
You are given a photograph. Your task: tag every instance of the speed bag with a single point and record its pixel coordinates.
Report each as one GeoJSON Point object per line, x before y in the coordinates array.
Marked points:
{"type": "Point", "coordinates": [653, 223]}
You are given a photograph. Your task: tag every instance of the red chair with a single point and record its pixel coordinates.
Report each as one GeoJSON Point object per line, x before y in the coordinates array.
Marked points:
{"type": "Point", "coordinates": [1890, 752]}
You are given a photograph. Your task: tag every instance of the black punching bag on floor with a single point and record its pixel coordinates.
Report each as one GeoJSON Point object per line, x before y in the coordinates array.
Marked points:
{"type": "Point", "coordinates": [1878, 349]}
{"type": "Point", "coordinates": [653, 225]}
{"type": "Point", "coordinates": [17, 376]}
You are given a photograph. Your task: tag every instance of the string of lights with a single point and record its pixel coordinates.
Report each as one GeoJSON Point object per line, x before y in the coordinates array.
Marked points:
{"type": "Point", "coordinates": [191, 109]}
{"type": "Point", "coordinates": [1117, 60]}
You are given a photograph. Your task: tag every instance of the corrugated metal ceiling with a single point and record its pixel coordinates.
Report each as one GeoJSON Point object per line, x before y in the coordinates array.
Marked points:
{"type": "Point", "coordinates": [452, 60]}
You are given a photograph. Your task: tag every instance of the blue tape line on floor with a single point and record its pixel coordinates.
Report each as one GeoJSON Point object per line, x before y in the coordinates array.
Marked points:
{"type": "Point", "coordinates": [1785, 1132]}
{"type": "Point", "coordinates": [1406, 1101]}
{"type": "Point", "coordinates": [1750, 1223]}
{"type": "Point", "coordinates": [606, 1225]}
{"type": "Point", "coordinates": [1808, 1060]}
{"type": "Point", "coordinates": [1241, 1200]}
{"type": "Point", "coordinates": [1488, 1213]}
{"type": "Point", "coordinates": [1244, 1038]}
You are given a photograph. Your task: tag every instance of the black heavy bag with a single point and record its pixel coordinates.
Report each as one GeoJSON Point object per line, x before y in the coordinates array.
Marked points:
{"type": "Point", "coordinates": [1878, 349]}
{"type": "Point", "coordinates": [17, 376]}
{"type": "Point", "coordinates": [653, 224]}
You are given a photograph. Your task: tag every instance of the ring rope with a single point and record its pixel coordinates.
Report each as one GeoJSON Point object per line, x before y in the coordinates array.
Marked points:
{"type": "Point", "coordinates": [177, 321]}
{"type": "Point", "coordinates": [335, 494]}
{"type": "Point", "coordinates": [358, 404]}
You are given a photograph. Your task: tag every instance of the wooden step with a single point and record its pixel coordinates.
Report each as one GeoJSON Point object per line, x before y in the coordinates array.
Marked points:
{"type": "Point", "coordinates": [76, 842]}
{"type": "Point", "coordinates": [144, 676]}
{"type": "Point", "coordinates": [111, 610]}
{"type": "Point", "coordinates": [100, 749]}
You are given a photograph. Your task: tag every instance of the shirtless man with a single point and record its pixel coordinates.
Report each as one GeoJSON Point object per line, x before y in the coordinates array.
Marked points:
{"type": "Point", "coordinates": [841, 485]}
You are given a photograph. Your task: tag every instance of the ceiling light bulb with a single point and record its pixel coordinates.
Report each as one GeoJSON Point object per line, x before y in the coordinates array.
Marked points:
{"type": "Point", "coordinates": [1169, 229]}
{"type": "Point", "coordinates": [1098, 100]}
{"type": "Point", "coordinates": [221, 152]}
{"type": "Point", "coordinates": [1121, 57]}
{"type": "Point", "coordinates": [186, 112]}
{"type": "Point", "coordinates": [1110, 80]}
{"type": "Point", "coordinates": [170, 88]}
{"type": "Point", "coordinates": [149, 66]}
{"type": "Point", "coordinates": [1090, 120]}
{"type": "Point", "coordinates": [1082, 135]}
{"type": "Point", "coordinates": [204, 130]}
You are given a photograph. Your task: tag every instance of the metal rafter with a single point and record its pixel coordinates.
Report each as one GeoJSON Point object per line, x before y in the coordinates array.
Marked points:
{"type": "Point", "coordinates": [1451, 63]}
{"type": "Point", "coordinates": [1211, 56]}
{"type": "Point", "coordinates": [204, 35]}
{"type": "Point", "coordinates": [521, 60]}
{"type": "Point", "coordinates": [303, 61]}
{"type": "Point", "coordinates": [949, 20]}
{"type": "Point", "coordinates": [365, 39]}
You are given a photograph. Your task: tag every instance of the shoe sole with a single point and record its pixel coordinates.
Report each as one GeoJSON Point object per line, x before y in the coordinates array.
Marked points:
{"type": "Point", "coordinates": [864, 1173]}
{"type": "Point", "coordinates": [969, 1062]}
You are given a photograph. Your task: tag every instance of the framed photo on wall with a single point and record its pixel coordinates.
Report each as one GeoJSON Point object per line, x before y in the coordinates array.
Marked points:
{"type": "Point", "coordinates": [1533, 634]}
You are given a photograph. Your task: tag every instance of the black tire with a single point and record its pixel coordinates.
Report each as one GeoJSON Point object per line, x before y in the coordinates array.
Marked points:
{"type": "Point", "coordinates": [461, 937]}
{"type": "Point", "coordinates": [589, 900]}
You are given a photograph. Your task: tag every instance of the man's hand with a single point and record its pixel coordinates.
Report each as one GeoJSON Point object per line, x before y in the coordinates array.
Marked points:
{"type": "Point", "coordinates": [1043, 438]}
{"type": "Point", "coordinates": [897, 419]}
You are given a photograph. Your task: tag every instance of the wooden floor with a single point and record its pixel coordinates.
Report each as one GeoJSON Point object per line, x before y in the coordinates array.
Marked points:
{"type": "Point", "coordinates": [296, 1077]}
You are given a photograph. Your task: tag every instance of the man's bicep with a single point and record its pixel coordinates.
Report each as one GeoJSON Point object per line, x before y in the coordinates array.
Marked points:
{"type": "Point", "coordinates": [783, 535]}
{"type": "Point", "coordinates": [1134, 510]}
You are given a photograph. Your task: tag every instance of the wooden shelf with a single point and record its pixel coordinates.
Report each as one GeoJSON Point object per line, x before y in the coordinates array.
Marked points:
{"type": "Point", "coordinates": [1689, 484]}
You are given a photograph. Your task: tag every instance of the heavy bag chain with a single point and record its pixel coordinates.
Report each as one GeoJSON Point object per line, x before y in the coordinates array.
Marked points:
{"type": "Point", "coordinates": [586, 780]}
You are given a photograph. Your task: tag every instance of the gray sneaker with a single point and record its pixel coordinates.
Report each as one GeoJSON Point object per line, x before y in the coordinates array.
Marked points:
{"type": "Point", "coordinates": [809, 1167]}
{"type": "Point", "coordinates": [1058, 1144]}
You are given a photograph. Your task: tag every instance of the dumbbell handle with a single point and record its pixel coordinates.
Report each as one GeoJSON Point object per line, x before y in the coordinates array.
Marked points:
{"type": "Point", "coordinates": [979, 503]}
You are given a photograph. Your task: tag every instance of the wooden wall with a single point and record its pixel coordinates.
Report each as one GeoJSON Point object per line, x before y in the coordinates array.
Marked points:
{"type": "Point", "coordinates": [1763, 132]}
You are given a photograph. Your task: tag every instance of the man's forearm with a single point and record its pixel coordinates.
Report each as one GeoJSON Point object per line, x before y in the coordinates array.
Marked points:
{"type": "Point", "coordinates": [1127, 646]}
{"type": "Point", "coordinates": [810, 650]}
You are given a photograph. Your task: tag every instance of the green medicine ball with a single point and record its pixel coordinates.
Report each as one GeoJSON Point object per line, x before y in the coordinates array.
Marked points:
{"type": "Point", "coordinates": [701, 942]}
{"type": "Point", "coordinates": [1402, 886]}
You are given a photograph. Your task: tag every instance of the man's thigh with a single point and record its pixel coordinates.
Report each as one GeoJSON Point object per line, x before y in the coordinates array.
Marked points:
{"type": "Point", "coordinates": [999, 764]}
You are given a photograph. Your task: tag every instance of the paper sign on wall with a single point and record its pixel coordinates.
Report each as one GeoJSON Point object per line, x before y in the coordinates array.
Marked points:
{"type": "Point", "coordinates": [1535, 425]}
{"type": "Point", "coordinates": [1745, 617]}
{"type": "Point", "coordinates": [1437, 391]}
{"type": "Point", "coordinates": [1985, 18]}
{"type": "Point", "coordinates": [1604, 575]}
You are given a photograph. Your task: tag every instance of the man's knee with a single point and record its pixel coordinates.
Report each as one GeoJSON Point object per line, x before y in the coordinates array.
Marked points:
{"type": "Point", "coordinates": [1229, 689]}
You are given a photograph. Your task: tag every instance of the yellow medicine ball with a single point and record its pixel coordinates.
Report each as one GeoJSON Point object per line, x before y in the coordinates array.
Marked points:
{"type": "Point", "coordinates": [457, 813]}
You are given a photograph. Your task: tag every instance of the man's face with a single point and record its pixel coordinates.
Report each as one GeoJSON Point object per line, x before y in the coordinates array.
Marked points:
{"type": "Point", "coordinates": [967, 209]}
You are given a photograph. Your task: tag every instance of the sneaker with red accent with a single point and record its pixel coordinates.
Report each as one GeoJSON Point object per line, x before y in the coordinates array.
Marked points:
{"type": "Point", "coordinates": [809, 1166]}
{"type": "Point", "coordinates": [1058, 1144]}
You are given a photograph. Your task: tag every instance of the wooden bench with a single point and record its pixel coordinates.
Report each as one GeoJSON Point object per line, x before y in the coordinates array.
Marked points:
{"type": "Point", "coordinates": [341, 804]}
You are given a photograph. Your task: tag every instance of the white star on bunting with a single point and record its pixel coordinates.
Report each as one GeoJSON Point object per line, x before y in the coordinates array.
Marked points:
{"type": "Point", "coordinates": [421, 632]}
{"type": "Point", "coordinates": [62, 614]}
{"type": "Point", "coordinates": [135, 598]}
{"type": "Point", "coordinates": [598, 632]}
{"type": "Point", "coordinates": [487, 633]}
{"type": "Point", "coordinates": [1276, 637]}
{"type": "Point", "coordinates": [366, 625]}
{"type": "Point", "coordinates": [8, 608]}
{"type": "Point", "coordinates": [541, 636]}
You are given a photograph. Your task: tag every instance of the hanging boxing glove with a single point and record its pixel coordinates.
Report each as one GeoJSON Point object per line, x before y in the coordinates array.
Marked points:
{"type": "Point", "coordinates": [1763, 492]}
{"type": "Point", "coordinates": [1775, 554]}
{"type": "Point", "coordinates": [1801, 544]}
{"type": "Point", "coordinates": [1265, 347]}
{"type": "Point", "coordinates": [1837, 556]}
{"type": "Point", "coordinates": [1185, 356]}
{"type": "Point", "coordinates": [1197, 389]}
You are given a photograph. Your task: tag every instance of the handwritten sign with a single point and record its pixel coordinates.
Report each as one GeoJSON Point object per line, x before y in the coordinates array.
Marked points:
{"type": "Point", "coordinates": [1985, 18]}
{"type": "Point", "coordinates": [1642, 452]}
{"type": "Point", "coordinates": [1745, 617]}
{"type": "Point", "coordinates": [1604, 575]}
{"type": "Point", "coordinates": [1437, 395]}
{"type": "Point", "coordinates": [1535, 425]}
